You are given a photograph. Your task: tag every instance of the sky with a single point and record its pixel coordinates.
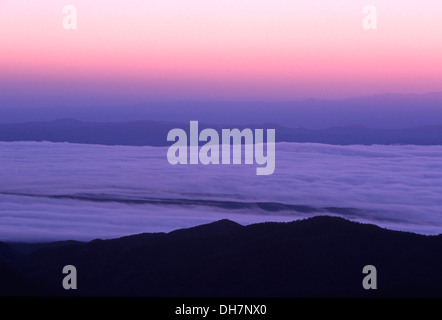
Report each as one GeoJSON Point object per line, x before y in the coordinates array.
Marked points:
{"type": "Point", "coordinates": [396, 187]}
{"type": "Point", "coordinates": [143, 50]}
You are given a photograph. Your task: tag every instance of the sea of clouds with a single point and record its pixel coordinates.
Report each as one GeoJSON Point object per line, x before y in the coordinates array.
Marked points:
{"type": "Point", "coordinates": [60, 191]}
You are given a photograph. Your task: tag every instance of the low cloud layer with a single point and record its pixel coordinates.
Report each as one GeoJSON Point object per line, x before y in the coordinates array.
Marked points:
{"type": "Point", "coordinates": [54, 191]}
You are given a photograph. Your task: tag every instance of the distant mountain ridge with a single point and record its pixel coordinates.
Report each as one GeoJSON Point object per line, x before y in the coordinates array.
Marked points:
{"type": "Point", "coordinates": [317, 257]}
{"type": "Point", "coordinates": [381, 111]}
{"type": "Point", "coordinates": [154, 133]}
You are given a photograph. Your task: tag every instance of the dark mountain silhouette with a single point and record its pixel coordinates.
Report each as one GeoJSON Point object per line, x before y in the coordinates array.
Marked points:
{"type": "Point", "coordinates": [12, 282]}
{"type": "Point", "coordinates": [154, 133]}
{"type": "Point", "coordinates": [26, 248]}
{"type": "Point", "coordinates": [7, 253]}
{"type": "Point", "coordinates": [316, 257]}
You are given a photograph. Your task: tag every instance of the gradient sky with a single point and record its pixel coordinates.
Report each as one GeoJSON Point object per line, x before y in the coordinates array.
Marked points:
{"type": "Point", "coordinates": [137, 50]}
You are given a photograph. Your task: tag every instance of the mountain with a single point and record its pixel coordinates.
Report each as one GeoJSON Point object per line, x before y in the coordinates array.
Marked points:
{"type": "Point", "coordinates": [154, 133]}
{"type": "Point", "coordinates": [7, 253]}
{"type": "Point", "coordinates": [26, 248]}
{"type": "Point", "coordinates": [12, 282]}
{"type": "Point", "coordinates": [383, 111]}
{"type": "Point", "coordinates": [316, 257]}
{"type": "Point", "coordinates": [134, 133]}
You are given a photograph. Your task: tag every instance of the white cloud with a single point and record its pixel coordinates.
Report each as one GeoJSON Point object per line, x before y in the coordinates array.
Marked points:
{"type": "Point", "coordinates": [393, 186]}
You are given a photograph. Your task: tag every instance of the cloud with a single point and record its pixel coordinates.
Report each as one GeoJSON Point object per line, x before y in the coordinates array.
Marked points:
{"type": "Point", "coordinates": [398, 187]}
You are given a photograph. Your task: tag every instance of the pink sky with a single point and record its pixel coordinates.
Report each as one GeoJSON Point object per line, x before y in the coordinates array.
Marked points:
{"type": "Point", "coordinates": [230, 49]}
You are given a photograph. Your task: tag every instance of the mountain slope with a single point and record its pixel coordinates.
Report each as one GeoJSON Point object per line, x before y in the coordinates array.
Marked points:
{"type": "Point", "coordinates": [316, 257]}
{"type": "Point", "coordinates": [154, 133]}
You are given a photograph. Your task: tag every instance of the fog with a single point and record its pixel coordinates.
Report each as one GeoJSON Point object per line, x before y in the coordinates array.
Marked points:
{"type": "Point", "coordinates": [60, 191]}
